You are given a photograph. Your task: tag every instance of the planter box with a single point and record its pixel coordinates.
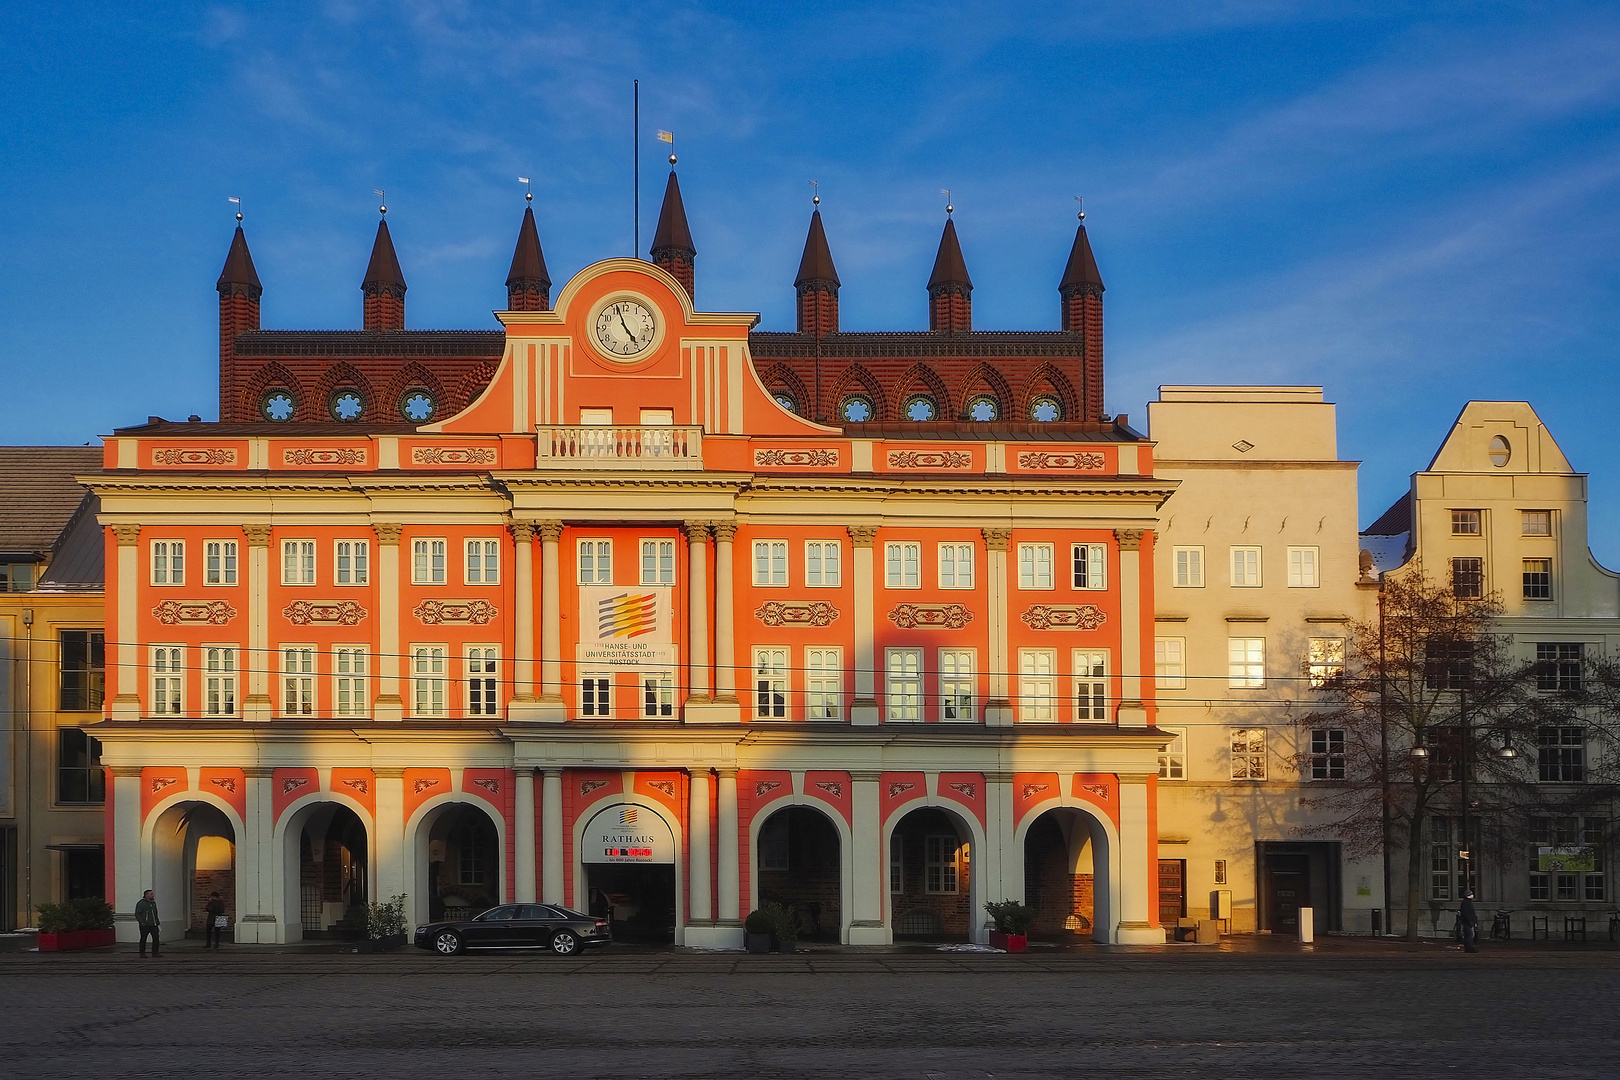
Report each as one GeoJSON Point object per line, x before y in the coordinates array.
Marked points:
{"type": "Point", "coordinates": [1009, 942]}
{"type": "Point", "coordinates": [787, 946]}
{"type": "Point", "coordinates": [382, 944]}
{"type": "Point", "coordinates": [74, 940]}
{"type": "Point", "coordinates": [758, 943]}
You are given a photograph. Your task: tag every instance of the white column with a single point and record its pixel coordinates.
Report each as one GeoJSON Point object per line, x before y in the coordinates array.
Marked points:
{"type": "Point", "coordinates": [554, 708]}
{"type": "Point", "coordinates": [129, 870]}
{"type": "Point", "coordinates": [127, 704]}
{"type": "Point", "coordinates": [700, 928]}
{"type": "Point", "coordinates": [998, 710]}
{"type": "Point", "coordinates": [255, 914]}
{"type": "Point", "coordinates": [551, 849]}
{"type": "Point", "coordinates": [867, 883]}
{"type": "Point", "coordinates": [523, 837]}
{"type": "Point", "coordinates": [864, 707]}
{"type": "Point", "coordinates": [1000, 877]}
{"type": "Point", "coordinates": [391, 838]}
{"type": "Point", "coordinates": [389, 705]}
{"type": "Point", "coordinates": [523, 605]}
{"type": "Point", "coordinates": [725, 629]}
{"type": "Point", "coordinates": [729, 912]}
{"type": "Point", "coordinates": [1138, 863]}
{"type": "Point", "coordinates": [261, 657]}
{"type": "Point", "coordinates": [1131, 711]}
{"type": "Point", "coordinates": [697, 613]}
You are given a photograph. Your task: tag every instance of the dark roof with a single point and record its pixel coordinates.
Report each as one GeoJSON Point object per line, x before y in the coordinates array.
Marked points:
{"type": "Point", "coordinates": [817, 262]}
{"type": "Point", "coordinates": [934, 344]}
{"type": "Point", "coordinates": [239, 264]}
{"type": "Point", "coordinates": [38, 494]}
{"type": "Point", "coordinates": [528, 261]}
{"type": "Point", "coordinates": [385, 343]}
{"type": "Point", "coordinates": [1116, 430]}
{"type": "Point", "coordinates": [156, 425]}
{"type": "Point", "coordinates": [672, 233]}
{"type": "Point", "coordinates": [79, 559]}
{"type": "Point", "coordinates": [1394, 521]}
{"type": "Point", "coordinates": [949, 266]}
{"type": "Point", "coordinates": [1082, 269]}
{"type": "Point", "coordinates": [384, 267]}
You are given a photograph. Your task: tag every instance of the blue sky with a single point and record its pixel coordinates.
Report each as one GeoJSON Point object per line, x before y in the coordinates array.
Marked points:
{"type": "Point", "coordinates": [1409, 204]}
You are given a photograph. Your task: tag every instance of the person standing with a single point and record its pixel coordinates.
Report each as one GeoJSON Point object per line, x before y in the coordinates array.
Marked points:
{"type": "Point", "coordinates": [146, 916]}
{"type": "Point", "coordinates": [215, 921]}
{"type": "Point", "coordinates": [1468, 919]}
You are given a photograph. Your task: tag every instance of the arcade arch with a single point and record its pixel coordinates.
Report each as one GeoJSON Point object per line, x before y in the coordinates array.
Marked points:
{"type": "Point", "coordinates": [933, 877]}
{"type": "Point", "coordinates": [1068, 862]}
{"type": "Point", "coordinates": [801, 857]}
{"type": "Point", "coordinates": [192, 846]}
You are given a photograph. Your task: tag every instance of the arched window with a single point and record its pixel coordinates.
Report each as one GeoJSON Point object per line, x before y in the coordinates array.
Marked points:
{"type": "Point", "coordinates": [857, 409]}
{"type": "Point", "coordinates": [921, 407]}
{"type": "Point", "coordinates": [984, 407]}
{"type": "Point", "coordinates": [278, 405]}
{"type": "Point", "coordinates": [1046, 409]}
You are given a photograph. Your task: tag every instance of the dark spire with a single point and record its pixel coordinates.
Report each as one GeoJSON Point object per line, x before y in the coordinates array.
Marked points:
{"type": "Point", "coordinates": [816, 265]}
{"type": "Point", "coordinates": [1081, 274]}
{"type": "Point", "coordinates": [384, 286]}
{"type": "Point", "coordinates": [950, 290]}
{"type": "Point", "coordinates": [239, 274]}
{"type": "Point", "coordinates": [528, 284]}
{"type": "Point", "coordinates": [672, 241]}
{"type": "Point", "coordinates": [949, 266]}
{"type": "Point", "coordinates": [817, 282]}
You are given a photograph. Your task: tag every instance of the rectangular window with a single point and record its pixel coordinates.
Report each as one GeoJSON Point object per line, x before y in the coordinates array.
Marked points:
{"type": "Point", "coordinates": [770, 684]}
{"type": "Point", "coordinates": [298, 562]}
{"type": "Point", "coordinates": [1302, 568]}
{"type": "Point", "coordinates": [596, 695]}
{"type": "Point", "coordinates": [1467, 578]}
{"type": "Point", "coordinates": [1035, 566]}
{"type": "Point", "coordinates": [353, 562]}
{"type": "Point", "coordinates": [1220, 871]}
{"type": "Point", "coordinates": [822, 564]}
{"type": "Point", "coordinates": [770, 562]}
{"type": "Point", "coordinates": [596, 562]}
{"type": "Point", "coordinates": [1538, 579]}
{"type": "Point", "coordinates": [1090, 686]}
{"type": "Point", "coordinates": [1324, 662]}
{"type": "Point", "coordinates": [824, 684]}
{"type": "Point", "coordinates": [1535, 522]}
{"type": "Point", "coordinates": [1173, 758]}
{"type": "Point", "coordinates": [903, 689]}
{"type": "Point", "coordinates": [658, 562]}
{"type": "Point", "coordinates": [774, 845]}
{"type": "Point", "coordinates": [1246, 662]}
{"type": "Point", "coordinates": [657, 695]}
{"type": "Point", "coordinates": [1327, 754]}
{"type": "Point", "coordinates": [1440, 858]}
{"type": "Point", "coordinates": [219, 681]}
{"type": "Point", "coordinates": [483, 681]}
{"type": "Point", "coordinates": [1170, 663]}
{"type": "Point", "coordinates": [428, 680]}
{"type": "Point", "coordinates": [219, 562]}
{"type": "Point", "coordinates": [1465, 523]}
{"type": "Point", "coordinates": [956, 566]}
{"type": "Point", "coordinates": [1037, 685]}
{"type": "Point", "coordinates": [167, 680]}
{"type": "Point", "coordinates": [79, 775]}
{"type": "Point", "coordinates": [897, 864]}
{"type": "Point", "coordinates": [956, 679]}
{"type": "Point", "coordinates": [1558, 665]}
{"type": "Point", "coordinates": [939, 858]}
{"type": "Point", "coordinates": [1246, 568]}
{"type": "Point", "coordinates": [297, 681]}
{"type": "Point", "coordinates": [1248, 753]}
{"type": "Point", "coordinates": [483, 562]}
{"type": "Point", "coordinates": [350, 694]}
{"type": "Point", "coordinates": [84, 671]}
{"type": "Point", "coordinates": [1561, 755]}
{"type": "Point", "coordinates": [1448, 665]}
{"type": "Point", "coordinates": [168, 562]}
{"type": "Point", "coordinates": [904, 562]}
{"type": "Point", "coordinates": [1089, 564]}
{"type": "Point", "coordinates": [1189, 567]}
{"type": "Point", "coordinates": [427, 562]}
{"type": "Point", "coordinates": [16, 577]}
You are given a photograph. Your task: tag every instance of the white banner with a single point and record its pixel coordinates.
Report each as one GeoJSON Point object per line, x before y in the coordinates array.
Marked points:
{"type": "Point", "coordinates": [622, 627]}
{"type": "Point", "coordinates": [627, 833]}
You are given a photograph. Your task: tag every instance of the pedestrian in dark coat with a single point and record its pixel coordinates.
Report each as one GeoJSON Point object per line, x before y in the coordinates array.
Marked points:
{"type": "Point", "coordinates": [1468, 919]}
{"type": "Point", "coordinates": [146, 917]}
{"type": "Point", "coordinates": [214, 921]}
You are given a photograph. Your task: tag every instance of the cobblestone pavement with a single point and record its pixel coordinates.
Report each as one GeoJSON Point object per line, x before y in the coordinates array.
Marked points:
{"type": "Point", "coordinates": [1171, 1012]}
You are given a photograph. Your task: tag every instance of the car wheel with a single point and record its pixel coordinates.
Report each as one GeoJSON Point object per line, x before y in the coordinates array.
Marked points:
{"type": "Point", "coordinates": [564, 943]}
{"type": "Point", "coordinates": [447, 943]}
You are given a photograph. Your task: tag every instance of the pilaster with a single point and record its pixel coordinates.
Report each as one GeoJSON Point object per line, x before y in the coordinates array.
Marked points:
{"type": "Point", "coordinates": [866, 926]}
{"type": "Point", "coordinates": [864, 707]}
{"type": "Point", "coordinates": [998, 710]}
{"type": "Point", "coordinates": [551, 845]}
{"type": "Point", "coordinates": [523, 838]}
{"type": "Point", "coordinates": [553, 709]}
{"type": "Point", "coordinates": [1138, 863]}
{"type": "Point", "coordinates": [127, 704]}
{"type": "Point", "coordinates": [389, 705]}
{"type": "Point", "coordinates": [257, 704]}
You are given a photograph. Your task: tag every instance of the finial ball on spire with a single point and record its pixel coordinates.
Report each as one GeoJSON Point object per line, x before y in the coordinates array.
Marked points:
{"type": "Point", "coordinates": [672, 161]}
{"type": "Point", "coordinates": [815, 200]}
{"type": "Point", "coordinates": [528, 196]}
{"type": "Point", "coordinates": [239, 215]}
{"type": "Point", "coordinates": [1082, 215]}
{"type": "Point", "coordinates": [949, 209]}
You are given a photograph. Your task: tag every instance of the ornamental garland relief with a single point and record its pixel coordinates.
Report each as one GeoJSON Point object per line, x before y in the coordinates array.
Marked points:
{"type": "Point", "coordinates": [949, 616]}
{"type": "Point", "coordinates": [438, 612]}
{"type": "Point", "coordinates": [194, 612]}
{"type": "Point", "coordinates": [1064, 617]}
{"type": "Point", "coordinates": [452, 455]}
{"type": "Point", "coordinates": [930, 459]}
{"type": "Point", "coordinates": [1041, 459]}
{"type": "Point", "coordinates": [316, 612]}
{"type": "Point", "coordinates": [308, 455]}
{"type": "Point", "coordinates": [197, 456]}
{"type": "Point", "coordinates": [797, 613]}
{"type": "Point", "coordinates": [815, 458]}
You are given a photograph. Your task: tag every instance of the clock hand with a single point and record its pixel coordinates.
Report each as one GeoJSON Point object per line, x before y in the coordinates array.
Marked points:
{"type": "Point", "coordinates": [627, 331]}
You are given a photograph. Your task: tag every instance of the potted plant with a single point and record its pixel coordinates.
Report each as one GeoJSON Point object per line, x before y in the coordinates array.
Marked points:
{"type": "Point", "coordinates": [757, 931]}
{"type": "Point", "coordinates": [1012, 922]}
{"type": "Point", "coordinates": [784, 927]}
{"type": "Point", "coordinates": [385, 925]}
{"type": "Point", "coordinates": [84, 923]}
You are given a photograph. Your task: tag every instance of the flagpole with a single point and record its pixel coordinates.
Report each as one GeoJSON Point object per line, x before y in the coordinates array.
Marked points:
{"type": "Point", "coordinates": [636, 142]}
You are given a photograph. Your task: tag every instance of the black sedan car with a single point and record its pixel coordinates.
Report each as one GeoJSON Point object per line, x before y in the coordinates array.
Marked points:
{"type": "Point", "coordinates": [518, 926]}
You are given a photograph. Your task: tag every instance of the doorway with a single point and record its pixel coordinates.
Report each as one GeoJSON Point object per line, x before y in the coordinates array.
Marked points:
{"type": "Point", "coordinates": [1286, 888]}
{"type": "Point", "coordinates": [1172, 891]}
{"type": "Point", "coordinates": [637, 898]}
{"type": "Point", "coordinates": [1293, 875]}
{"type": "Point", "coordinates": [799, 866]}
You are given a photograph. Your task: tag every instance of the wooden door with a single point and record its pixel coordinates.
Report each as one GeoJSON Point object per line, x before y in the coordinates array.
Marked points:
{"type": "Point", "coordinates": [1172, 891]}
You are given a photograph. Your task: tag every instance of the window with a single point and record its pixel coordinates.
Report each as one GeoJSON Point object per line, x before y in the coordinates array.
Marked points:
{"type": "Point", "coordinates": [353, 562]}
{"type": "Point", "coordinates": [1035, 566]}
{"type": "Point", "coordinates": [168, 562]}
{"type": "Point", "coordinates": [1173, 758]}
{"type": "Point", "coordinates": [773, 844]}
{"type": "Point", "coordinates": [658, 562]}
{"type": "Point", "coordinates": [897, 865]}
{"type": "Point", "coordinates": [1189, 567]}
{"type": "Point", "coordinates": [427, 680]}
{"type": "Point", "coordinates": [770, 684]}
{"type": "Point", "coordinates": [350, 696]}
{"type": "Point", "coordinates": [1558, 665]}
{"type": "Point", "coordinates": [482, 681]}
{"type": "Point", "coordinates": [1561, 755]}
{"type": "Point", "coordinates": [904, 687]}
{"type": "Point", "coordinates": [297, 681]}
{"type": "Point", "coordinates": [427, 562]}
{"type": "Point", "coordinates": [1246, 568]}
{"type": "Point", "coordinates": [1500, 451]}
{"type": "Point", "coordinates": [824, 684]}
{"type": "Point", "coordinates": [939, 858]}
{"type": "Point", "coordinates": [1566, 858]}
{"type": "Point", "coordinates": [1246, 662]}
{"type": "Point", "coordinates": [1327, 754]}
{"type": "Point", "coordinates": [219, 681]}
{"type": "Point", "coordinates": [1248, 753]}
{"type": "Point", "coordinates": [956, 566]}
{"type": "Point", "coordinates": [596, 695]}
{"type": "Point", "coordinates": [1535, 522]}
{"type": "Point", "coordinates": [821, 564]}
{"type": "Point", "coordinates": [470, 842]}
{"type": "Point", "coordinates": [1169, 663]}
{"type": "Point", "coordinates": [298, 562]}
{"type": "Point", "coordinates": [1302, 568]}
{"type": "Point", "coordinates": [1037, 685]}
{"type": "Point", "coordinates": [956, 684]}
{"type": "Point", "coordinates": [596, 562]}
{"type": "Point", "coordinates": [657, 695]}
{"type": "Point", "coordinates": [1090, 686]}
{"type": "Point", "coordinates": [84, 671]}
{"type": "Point", "coordinates": [1538, 579]}
{"type": "Point", "coordinates": [1220, 871]}
{"type": "Point", "coordinates": [1467, 578]}
{"type": "Point", "coordinates": [16, 576]}
{"type": "Point", "coordinates": [1089, 563]}
{"type": "Point", "coordinates": [904, 562]}
{"type": "Point", "coordinates": [219, 562]}
{"type": "Point", "coordinates": [484, 562]}
{"type": "Point", "coordinates": [770, 562]}
{"type": "Point", "coordinates": [1448, 665]}
{"type": "Point", "coordinates": [1325, 660]}
{"type": "Point", "coordinates": [79, 776]}
{"type": "Point", "coordinates": [167, 674]}
{"type": "Point", "coordinates": [1465, 523]}
{"type": "Point", "coordinates": [1440, 858]}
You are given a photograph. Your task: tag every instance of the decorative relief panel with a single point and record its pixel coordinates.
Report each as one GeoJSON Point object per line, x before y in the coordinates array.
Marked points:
{"type": "Point", "coordinates": [194, 612]}
{"type": "Point", "coordinates": [930, 459]}
{"type": "Point", "coordinates": [436, 612]}
{"type": "Point", "coordinates": [194, 456]}
{"type": "Point", "coordinates": [224, 783]}
{"type": "Point", "coordinates": [950, 616]}
{"type": "Point", "coordinates": [426, 783]}
{"type": "Point", "coordinates": [831, 787]}
{"type": "Point", "coordinates": [309, 455]}
{"type": "Point", "coordinates": [666, 786]}
{"type": "Point", "coordinates": [1042, 459]}
{"type": "Point", "coordinates": [970, 790]}
{"type": "Point", "coordinates": [161, 782]}
{"type": "Point", "coordinates": [588, 786]}
{"type": "Point", "coordinates": [765, 787]}
{"type": "Point", "coordinates": [293, 783]}
{"type": "Point", "coordinates": [1099, 790]}
{"type": "Point", "coordinates": [316, 612]}
{"type": "Point", "coordinates": [361, 786]}
{"type": "Point", "coordinates": [797, 613]}
{"type": "Point", "coordinates": [1064, 617]}
{"type": "Point", "coordinates": [1032, 790]}
{"type": "Point", "coordinates": [490, 785]}
{"type": "Point", "coordinates": [900, 788]}
{"type": "Point", "coordinates": [812, 458]}
{"type": "Point", "coordinates": [452, 455]}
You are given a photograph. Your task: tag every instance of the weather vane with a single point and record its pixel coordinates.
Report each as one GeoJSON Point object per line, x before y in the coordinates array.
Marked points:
{"type": "Point", "coordinates": [529, 195]}
{"type": "Point", "coordinates": [1081, 199]}
{"type": "Point", "coordinates": [815, 194]}
{"type": "Point", "coordinates": [238, 202]}
{"type": "Point", "coordinates": [669, 137]}
{"type": "Point", "coordinates": [383, 209]}
{"type": "Point", "coordinates": [949, 209]}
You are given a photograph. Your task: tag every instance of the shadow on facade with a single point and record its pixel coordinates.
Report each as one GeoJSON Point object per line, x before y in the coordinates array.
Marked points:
{"type": "Point", "coordinates": [800, 866]}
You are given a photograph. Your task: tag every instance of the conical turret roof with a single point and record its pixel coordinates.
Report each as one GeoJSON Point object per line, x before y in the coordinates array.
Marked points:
{"type": "Point", "coordinates": [239, 264]}
{"type": "Point", "coordinates": [384, 266]}
{"type": "Point", "coordinates": [528, 261]}
{"type": "Point", "coordinates": [672, 233]}
{"type": "Point", "coordinates": [949, 267]}
{"type": "Point", "coordinates": [817, 262]}
{"type": "Point", "coordinates": [1082, 269]}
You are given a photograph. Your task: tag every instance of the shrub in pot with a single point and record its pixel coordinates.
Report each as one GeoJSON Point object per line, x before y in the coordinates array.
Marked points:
{"type": "Point", "coordinates": [83, 923]}
{"type": "Point", "coordinates": [757, 930]}
{"type": "Point", "coordinates": [784, 926]}
{"type": "Point", "coordinates": [385, 925]}
{"type": "Point", "coordinates": [1012, 922]}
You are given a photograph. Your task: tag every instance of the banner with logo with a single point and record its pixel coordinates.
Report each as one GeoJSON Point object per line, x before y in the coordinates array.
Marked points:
{"type": "Point", "coordinates": [627, 833]}
{"type": "Point", "coordinates": [627, 627]}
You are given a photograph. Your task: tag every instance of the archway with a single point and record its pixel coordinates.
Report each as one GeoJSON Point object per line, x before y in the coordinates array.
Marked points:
{"type": "Point", "coordinates": [459, 864]}
{"type": "Point", "coordinates": [627, 852]}
{"type": "Point", "coordinates": [799, 862]}
{"type": "Point", "coordinates": [1069, 875]}
{"type": "Point", "coordinates": [326, 853]}
{"type": "Point", "coordinates": [932, 887]}
{"type": "Point", "coordinates": [193, 855]}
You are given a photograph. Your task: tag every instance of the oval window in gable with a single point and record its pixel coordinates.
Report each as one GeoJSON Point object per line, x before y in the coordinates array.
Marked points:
{"type": "Point", "coordinates": [1501, 452]}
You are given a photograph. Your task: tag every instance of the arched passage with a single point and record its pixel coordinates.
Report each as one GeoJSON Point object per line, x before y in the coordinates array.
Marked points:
{"type": "Point", "coordinates": [458, 853]}
{"type": "Point", "coordinates": [193, 852]}
{"type": "Point", "coordinates": [934, 886]}
{"type": "Point", "coordinates": [326, 849]}
{"type": "Point", "coordinates": [1070, 873]}
{"type": "Point", "coordinates": [629, 872]}
{"type": "Point", "coordinates": [799, 862]}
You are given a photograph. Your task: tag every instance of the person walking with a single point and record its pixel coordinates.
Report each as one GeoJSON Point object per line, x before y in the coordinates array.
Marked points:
{"type": "Point", "coordinates": [1468, 919]}
{"type": "Point", "coordinates": [146, 916]}
{"type": "Point", "coordinates": [214, 923]}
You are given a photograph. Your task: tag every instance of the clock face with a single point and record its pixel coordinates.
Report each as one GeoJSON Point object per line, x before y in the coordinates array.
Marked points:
{"type": "Point", "coordinates": [625, 328]}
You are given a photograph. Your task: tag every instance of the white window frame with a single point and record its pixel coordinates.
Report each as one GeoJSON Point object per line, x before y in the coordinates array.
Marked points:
{"type": "Point", "coordinates": [168, 681]}
{"type": "Point", "coordinates": [770, 563]}
{"type": "Point", "coordinates": [823, 683]}
{"type": "Point", "coordinates": [1242, 556]}
{"type": "Point", "coordinates": [1324, 660]}
{"type": "Point", "coordinates": [823, 564]}
{"type": "Point", "coordinates": [956, 565]}
{"type": "Point", "coordinates": [430, 557]}
{"type": "Point", "coordinates": [941, 864]}
{"type": "Point", "coordinates": [1091, 699]}
{"type": "Point", "coordinates": [1088, 567]}
{"type": "Point", "coordinates": [1524, 523]}
{"type": "Point", "coordinates": [298, 562]}
{"type": "Point", "coordinates": [596, 695]}
{"type": "Point", "coordinates": [897, 864]}
{"type": "Point", "coordinates": [657, 695]}
{"type": "Point", "coordinates": [1304, 568]}
{"type": "Point", "coordinates": [168, 562]}
{"type": "Point", "coordinates": [1324, 758]}
{"type": "Point", "coordinates": [1037, 566]}
{"type": "Point", "coordinates": [1187, 567]}
{"type": "Point", "coordinates": [430, 680]}
{"type": "Point", "coordinates": [958, 685]}
{"type": "Point", "coordinates": [771, 685]}
{"type": "Point", "coordinates": [1037, 689]}
{"type": "Point", "coordinates": [351, 688]}
{"type": "Point", "coordinates": [481, 560]}
{"type": "Point", "coordinates": [220, 562]}
{"type": "Point", "coordinates": [1170, 663]}
{"type": "Point", "coordinates": [298, 674]}
{"type": "Point", "coordinates": [1244, 657]}
{"type": "Point", "coordinates": [902, 564]}
{"type": "Point", "coordinates": [1173, 758]}
{"type": "Point", "coordinates": [481, 679]}
{"type": "Point", "coordinates": [1248, 746]}
{"type": "Point", "coordinates": [903, 686]}
{"type": "Point", "coordinates": [220, 686]}
{"type": "Point", "coordinates": [351, 562]}
{"type": "Point", "coordinates": [594, 560]}
{"type": "Point", "coordinates": [662, 570]}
